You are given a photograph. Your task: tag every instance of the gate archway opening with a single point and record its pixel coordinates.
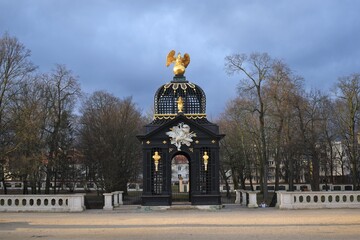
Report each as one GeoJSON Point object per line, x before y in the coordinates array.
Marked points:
{"type": "Point", "coordinates": [180, 178]}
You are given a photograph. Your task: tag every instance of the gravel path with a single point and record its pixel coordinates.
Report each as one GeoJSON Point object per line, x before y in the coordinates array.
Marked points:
{"type": "Point", "coordinates": [229, 223]}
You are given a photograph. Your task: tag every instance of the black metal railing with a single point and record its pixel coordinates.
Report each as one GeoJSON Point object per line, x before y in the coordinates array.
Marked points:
{"type": "Point", "coordinates": [132, 198]}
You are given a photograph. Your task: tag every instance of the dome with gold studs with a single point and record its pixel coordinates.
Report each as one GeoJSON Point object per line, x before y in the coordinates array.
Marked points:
{"type": "Point", "coordinates": [180, 97]}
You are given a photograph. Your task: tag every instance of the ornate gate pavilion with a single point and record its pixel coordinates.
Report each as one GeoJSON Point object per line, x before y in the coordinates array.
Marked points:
{"type": "Point", "coordinates": [180, 127]}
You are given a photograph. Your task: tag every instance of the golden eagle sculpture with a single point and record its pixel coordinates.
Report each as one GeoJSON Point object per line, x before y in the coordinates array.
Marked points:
{"type": "Point", "coordinates": [180, 62]}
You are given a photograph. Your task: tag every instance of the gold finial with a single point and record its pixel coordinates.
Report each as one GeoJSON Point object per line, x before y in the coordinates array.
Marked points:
{"type": "Point", "coordinates": [206, 160]}
{"type": "Point", "coordinates": [156, 158]}
{"type": "Point", "coordinates": [180, 104]}
{"type": "Point", "coordinates": [180, 62]}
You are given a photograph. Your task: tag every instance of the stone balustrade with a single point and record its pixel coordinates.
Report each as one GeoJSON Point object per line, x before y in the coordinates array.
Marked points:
{"type": "Point", "coordinates": [42, 203]}
{"type": "Point", "coordinates": [112, 200]}
{"type": "Point", "coordinates": [304, 200]}
{"type": "Point", "coordinates": [246, 198]}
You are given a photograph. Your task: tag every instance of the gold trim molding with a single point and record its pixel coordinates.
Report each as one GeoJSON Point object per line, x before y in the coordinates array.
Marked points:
{"type": "Point", "coordinates": [172, 116]}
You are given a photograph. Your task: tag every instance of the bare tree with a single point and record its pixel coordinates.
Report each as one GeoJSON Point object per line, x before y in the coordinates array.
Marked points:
{"type": "Point", "coordinates": [61, 92]}
{"type": "Point", "coordinates": [27, 114]}
{"type": "Point", "coordinates": [14, 67]}
{"type": "Point", "coordinates": [256, 69]}
{"type": "Point", "coordinates": [232, 160]}
{"type": "Point", "coordinates": [348, 121]}
{"type": "Point", "coordinates": [327, 141]}
{"type": "Point", "coordinates": [280, 92]}
{"type": "Point", "coordinates": [107, 135]}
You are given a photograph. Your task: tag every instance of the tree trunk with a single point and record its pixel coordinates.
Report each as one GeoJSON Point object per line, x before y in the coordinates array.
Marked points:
{"type": "Point", "coordinates": [277, 155]}
{"type": "Point", "coordinates": [33, 186]}
{"type": "Point", "coordinates": [47, 183]}
{"type": "Point", "coordinates": [277, 176]}
{"type": "Point", "coordinates": [291, 174]}
{"type": "Point", "coordinates": [55, 182]}
{"type": "Point", "coordinates": [235, 177]}
{"type": "Point", "coordinates": [242, 181]}
{"type": "Point", "coordinates": [264, 162]}
{"type": "Point", "coordinates": [251, 183]}
{"type": "Point", "coordinates": [227, 187]}
{"type": "Point", "coordinates": [315, 173]}
{"type": "Point", "coordinates": [4, 185]}
{"type": "Point", "coordinates": [25, 186]}
{"type": "Point", "coordinates": [39, 183]}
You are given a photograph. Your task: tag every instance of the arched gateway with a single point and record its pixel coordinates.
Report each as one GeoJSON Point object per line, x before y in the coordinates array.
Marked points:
{"type": "Point", "coordinates": [180, 127]}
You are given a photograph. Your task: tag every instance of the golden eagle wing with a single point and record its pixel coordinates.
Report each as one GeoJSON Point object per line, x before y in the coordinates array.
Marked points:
{"type": "Point", "coordinates": [170, 57]}
{"type": "Point", "coordinates": [186, 59]}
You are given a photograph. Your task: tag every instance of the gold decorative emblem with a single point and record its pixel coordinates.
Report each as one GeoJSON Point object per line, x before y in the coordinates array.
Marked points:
{"type": "Point", "coordinates": [206, 160]}
{"type": "Point", "coordinates": [164, 142]}
{"type": "Point", "coordinates": [156, 158]}
{"type": "Point", "coordinates": [180, 135]}
{"type": "Point", "coordinates": [172, 116]}
{"type": "Point", "coordinates": [147, 142]}
{"type": "Point", "coordinates": [180, 62]}
{"type": "Point", "coordinates": [197, 141]}
{"type": "Point", "coordinates": [213, 141]}
{"type": "Point", "coordinates": [180, 104]}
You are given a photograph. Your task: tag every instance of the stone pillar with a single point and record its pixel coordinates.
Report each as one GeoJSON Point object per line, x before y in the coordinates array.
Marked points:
{"type": "Point", "coordinates": [181, 185]}
{"type": "Point", "coordinates": [243, 197]}
{"type": "Point", "coordinates": [252, 200]}
{"type": "Point", "coordinates": [120, 196]}
{"type": "Point", "coordinates": [237, 199]}
{"type": "Point", "coordinates": [108, 201]}
{"type": "Point", "coordinates": [116, 198]}
{"type": "Point", "coordinates": [76, 202]}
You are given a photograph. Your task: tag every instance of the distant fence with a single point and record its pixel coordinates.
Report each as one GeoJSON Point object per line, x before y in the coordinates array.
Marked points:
{"type": "Point", "coordinates": [42, 203]}
{"type": "Point", "coordinates": [137, 187]}
{"type": "Point", "coordinates": [75, 186]}
{"type": "Point", "coordinates": [16, 185]}
{"type": "Point", "coordinates": [304, 200]}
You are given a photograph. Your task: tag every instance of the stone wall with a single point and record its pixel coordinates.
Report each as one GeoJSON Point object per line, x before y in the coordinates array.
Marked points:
{"type": "Point", "coordinates": [42, 203]}
{"type": "Point", "coordinates": [322, 199]}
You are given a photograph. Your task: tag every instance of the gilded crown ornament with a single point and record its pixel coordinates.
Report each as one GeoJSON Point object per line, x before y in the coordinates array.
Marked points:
{"type": "Point", "coordinates": [180, 63]}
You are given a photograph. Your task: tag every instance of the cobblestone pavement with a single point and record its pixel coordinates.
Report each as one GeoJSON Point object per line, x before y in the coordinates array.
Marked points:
{"type": "Point", "coordinates": [231, 222]}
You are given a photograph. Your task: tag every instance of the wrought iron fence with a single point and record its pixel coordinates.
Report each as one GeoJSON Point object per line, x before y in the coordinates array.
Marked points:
{"type": "Point", "coordinates": [180, 197]}
{"type": "Point", "coordinates": [228, 198]}
{"type": "Point", "coordinates": [132, 198]}
{"type": "Point", "coordinates": [94, 201]}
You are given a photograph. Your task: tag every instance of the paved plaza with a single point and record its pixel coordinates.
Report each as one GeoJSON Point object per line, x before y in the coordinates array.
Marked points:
{"type": "Point", "coordinates": [231, 222]}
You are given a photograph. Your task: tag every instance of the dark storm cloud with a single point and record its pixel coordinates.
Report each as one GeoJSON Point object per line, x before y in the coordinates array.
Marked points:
{"type": "Point", "coordinates": [121, 46]}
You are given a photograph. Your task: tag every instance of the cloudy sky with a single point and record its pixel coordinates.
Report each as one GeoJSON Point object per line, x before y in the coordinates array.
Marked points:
{"type": "Point", "coordinates": [121, 45]}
